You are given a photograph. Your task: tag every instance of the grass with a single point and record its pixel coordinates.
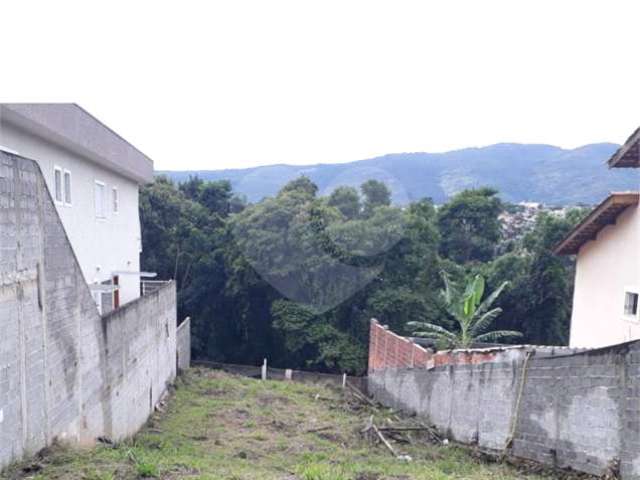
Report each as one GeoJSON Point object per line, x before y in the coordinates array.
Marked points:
{"type": "Point", "coordinates": [219, 427]}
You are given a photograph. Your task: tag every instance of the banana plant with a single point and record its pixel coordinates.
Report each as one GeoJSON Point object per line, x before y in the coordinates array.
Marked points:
{"type": "Point", "coordinates": [472, 314]}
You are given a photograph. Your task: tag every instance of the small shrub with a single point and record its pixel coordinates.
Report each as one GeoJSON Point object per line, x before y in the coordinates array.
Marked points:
{"type": "Point", "coordinates": [147, 470]}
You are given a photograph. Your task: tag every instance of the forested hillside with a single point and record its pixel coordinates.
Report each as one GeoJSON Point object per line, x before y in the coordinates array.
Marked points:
{"type": "Point", "coordinates": [296, 277]}
{"type": "Point", "coordinates": [536, 173]}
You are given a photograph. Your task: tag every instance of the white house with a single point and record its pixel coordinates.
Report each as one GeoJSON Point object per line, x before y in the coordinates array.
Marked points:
{"type": "Point", "coordinates": [607, 281]}
{"type": "Point", "coordinates": [93, 176]}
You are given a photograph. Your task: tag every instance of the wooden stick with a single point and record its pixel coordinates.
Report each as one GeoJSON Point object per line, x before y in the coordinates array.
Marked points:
{"type": "Point", "coordinates": [368, 426]}
{"type": "Point", "coordinates": [404, 429]}
{"type": "Point", "coordinates": [360, 396]}
{"type": "Point", "coordinates": [384, 440]}
{"type": "Point", "coordinates": [321, 429]}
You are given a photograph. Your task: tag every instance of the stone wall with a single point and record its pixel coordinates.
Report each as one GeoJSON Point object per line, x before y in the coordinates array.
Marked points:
{"type": "Point", "coordinates": [557, 406]}
{"type": "Point", "coordinates": [65, 372]}
{"type": "Point", "coordinates": [184, 345]}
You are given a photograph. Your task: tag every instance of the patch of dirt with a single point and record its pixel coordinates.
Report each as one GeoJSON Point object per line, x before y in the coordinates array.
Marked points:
{"type": "Point", "coordinates": [332, 437]}
{"type": "Point", "coordinates": [280, 426]}
{"type": "Point", "coordinates": [241, 414]}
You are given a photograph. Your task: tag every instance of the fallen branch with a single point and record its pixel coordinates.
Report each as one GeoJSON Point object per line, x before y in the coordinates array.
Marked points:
{"type": "Point", "coordinates": [384, 440]}
{"type": "Point", "coordinates": [368, 426]}
{"type": "Point", "coordinates": [320, 429]}
{"type": "Point", "coordinates": [404, 429]}
{"type": "Point", "coordinates": [360, 396]}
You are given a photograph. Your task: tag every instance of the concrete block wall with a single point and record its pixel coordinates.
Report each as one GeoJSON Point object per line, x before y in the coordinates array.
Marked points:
{"type": "Point", "coordinates": [460, 400]}
{"type": "Point", "coordinates": [65, 372]}
{"type": "Point", "coordinates": [184, 345]}
{"type": "Point", "coordinates": [558, 406]}
{"type": "Point", "coordinates": [571, 411]}
{"type": "Point", "coordinates": [630, 413]}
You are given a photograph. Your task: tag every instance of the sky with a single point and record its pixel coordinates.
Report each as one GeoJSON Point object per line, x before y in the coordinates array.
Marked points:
{"type": "Point", "coordinates": [234, 84]}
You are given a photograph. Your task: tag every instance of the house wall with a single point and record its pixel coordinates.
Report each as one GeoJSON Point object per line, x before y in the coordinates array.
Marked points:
{"type": "Point", "coordinates": [102, 245]}
{"type": "Point", "coordinates": [67, 373]}
{"type": "Point", "coordinates": [560, 407]}
{"type": "Point", "coordinates": [604, 268]}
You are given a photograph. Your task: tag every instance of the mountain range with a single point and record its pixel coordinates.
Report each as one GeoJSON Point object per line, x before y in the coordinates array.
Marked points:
{"type": "Point", "coordinates": [520, 172]}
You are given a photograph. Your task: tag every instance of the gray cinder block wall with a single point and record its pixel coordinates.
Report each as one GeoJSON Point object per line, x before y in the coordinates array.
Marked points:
{"type": "Point", "coordinates": [471, 403]}
{"type": "Point", "coordinates": [581, 411]}
{"type": "Point", "coordinates": [559, 407]}
{"type": "Point", "coordinates": [65, 372]}
{"type": "Point", "coordinates": [184, 345]}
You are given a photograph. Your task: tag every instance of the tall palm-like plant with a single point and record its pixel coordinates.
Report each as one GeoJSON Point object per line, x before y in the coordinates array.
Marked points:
{"type": "Point", "coordinates": [472, 314]}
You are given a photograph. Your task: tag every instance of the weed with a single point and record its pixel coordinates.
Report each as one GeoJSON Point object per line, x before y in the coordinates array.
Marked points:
{"type": "Point", "coordinates": [147, 470]}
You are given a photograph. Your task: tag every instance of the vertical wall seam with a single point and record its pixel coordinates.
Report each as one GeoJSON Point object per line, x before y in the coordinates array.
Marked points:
{"type": "Point", "coordinates": [42, 281]}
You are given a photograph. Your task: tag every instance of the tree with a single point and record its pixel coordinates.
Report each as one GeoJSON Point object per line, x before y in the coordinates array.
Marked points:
{"type": "Point", "coordinates": [191, 188]}
{"type": "Point", "coordinates": [216, 197]}
{"type": "Point", "coordinates": [550, 282]}
{"type": "Point", "coordinates": [184, 239]}
{"type": "Point", "coordinates": [347, 200]}
{"type": "Point", "coordinates": [376, 194]}
{"type": "Point", "coordinates": [471, 313]}
{"type": "Point", "coordinates": [315, 341]}
{"type": "Point", "coordinates": [301, 185]}
{"type": "Point", "coordinates": [469, 225]}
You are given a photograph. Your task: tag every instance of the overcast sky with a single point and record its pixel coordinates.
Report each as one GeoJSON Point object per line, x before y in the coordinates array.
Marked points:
{"type": "Point", "coordinates": [233, 84]}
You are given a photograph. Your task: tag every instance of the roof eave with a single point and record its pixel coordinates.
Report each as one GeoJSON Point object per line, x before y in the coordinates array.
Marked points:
{"type": "Point", "coordinates": [76, 130]}
{"type": "Point", "coordinates": [628, 155]}
{"type": "Point", "coordinates": [599, 218]}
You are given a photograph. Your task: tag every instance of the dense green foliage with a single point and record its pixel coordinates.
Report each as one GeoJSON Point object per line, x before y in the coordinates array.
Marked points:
{"type": "Point", "coordinates": [469, 225]}
{"type": "Point", "coordinates": [296, 277]}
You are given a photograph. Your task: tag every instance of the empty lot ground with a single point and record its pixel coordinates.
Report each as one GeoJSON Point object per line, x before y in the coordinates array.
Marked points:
{"type": "Point", "coordinates": [218, 426]}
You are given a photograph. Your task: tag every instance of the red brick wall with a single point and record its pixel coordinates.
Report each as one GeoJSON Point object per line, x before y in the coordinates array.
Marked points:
{"type": "Point", "coordinates": [388, 350]}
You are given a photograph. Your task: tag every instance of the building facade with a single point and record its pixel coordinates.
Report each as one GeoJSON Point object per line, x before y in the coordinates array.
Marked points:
{"type": "Point", "coordinates": [93, 176]}
{"type": "Point", "coordinates": [606, 308]}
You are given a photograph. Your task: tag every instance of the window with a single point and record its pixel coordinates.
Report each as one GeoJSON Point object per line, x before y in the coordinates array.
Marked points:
{"type": "Point", "coordinates": [631, 304]}
{"type": "Point", "coordinates": [57, 184]}
{"type": "Point", "coordinates": [67, 187]}
{"type": "Point", "coordinates": [99, 200]}
{"type": "Point", "coordinates": [115, 200]}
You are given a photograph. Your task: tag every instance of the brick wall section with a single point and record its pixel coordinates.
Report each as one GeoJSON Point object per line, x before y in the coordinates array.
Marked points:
{"type": "Point", "coordinates": [65, 372]}
{"type": "Point", "coordinates": [389, 350]}
{"type": "Point", "coordinates": [184, 345]}
{"type": "Point", "coordinates": [578, 409]}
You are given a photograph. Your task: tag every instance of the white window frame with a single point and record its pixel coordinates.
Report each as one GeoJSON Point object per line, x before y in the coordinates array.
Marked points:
{"type": "Point", "coordinates": [636, 291]}
{"type": "Point", "coordinates": [115, 200]}
{"type": "Point", "coordinates": [102, 215]}
{"type": "Point", "coordinates": [64, 189]}
{"type": "Point", "coordinates": [58, 170]}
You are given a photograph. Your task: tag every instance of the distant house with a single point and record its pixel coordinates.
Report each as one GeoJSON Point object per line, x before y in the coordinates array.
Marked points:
{"type": "Point", "coordinates": [606, 307]}
{"type": "Point", "coordinates": [93, 176]}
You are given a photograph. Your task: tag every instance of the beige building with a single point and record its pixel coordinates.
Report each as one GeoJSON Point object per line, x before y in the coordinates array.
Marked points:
{"type": "Point", "coordinates": [606, 307]}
